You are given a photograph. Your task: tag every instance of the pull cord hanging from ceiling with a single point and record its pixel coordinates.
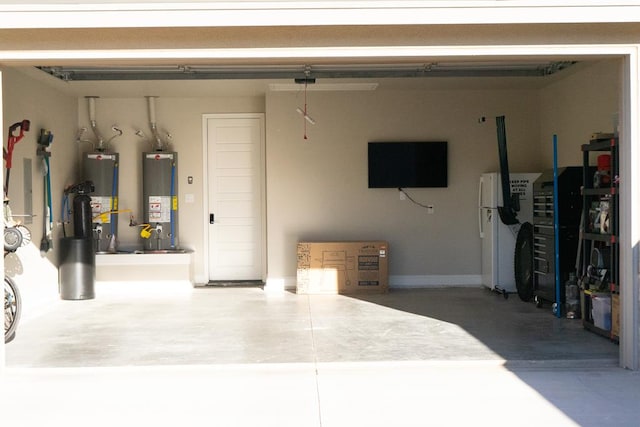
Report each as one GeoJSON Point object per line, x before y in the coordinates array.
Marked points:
{"type": "Point", "coordinates": [303, 112]}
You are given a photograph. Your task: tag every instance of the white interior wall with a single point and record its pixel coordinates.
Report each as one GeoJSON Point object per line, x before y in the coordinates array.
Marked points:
{"type": "Point", "coordinates": [587, 100]}
{"type": "Point", "coordinates": [23, 98]}
{"type": "Point", "coordinates": [317, 188]}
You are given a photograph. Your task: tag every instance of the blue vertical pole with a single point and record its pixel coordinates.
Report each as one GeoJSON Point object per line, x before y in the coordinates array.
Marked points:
{"type": "Point", "coordinates": [173, 205]}
{"type": "Point", "coordinates": [114, 198]}
{"type": "Point", "coordinates": [556, 225]}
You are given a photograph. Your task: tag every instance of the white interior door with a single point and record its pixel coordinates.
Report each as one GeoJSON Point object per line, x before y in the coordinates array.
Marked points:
{"type": "Point", "coordinates": [235, 182]}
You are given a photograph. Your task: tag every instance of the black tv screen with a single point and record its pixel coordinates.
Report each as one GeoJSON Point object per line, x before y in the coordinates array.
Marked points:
{"type": "Point", "coordinates": [408, 164]}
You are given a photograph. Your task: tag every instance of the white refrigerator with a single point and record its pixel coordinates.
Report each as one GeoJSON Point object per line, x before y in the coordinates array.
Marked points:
{"type": "Point", "coordinates": [498, 239]}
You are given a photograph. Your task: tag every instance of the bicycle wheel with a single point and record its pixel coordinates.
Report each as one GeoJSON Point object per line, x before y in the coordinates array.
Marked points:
{"type": "Point", "coordinates": [12, 309]}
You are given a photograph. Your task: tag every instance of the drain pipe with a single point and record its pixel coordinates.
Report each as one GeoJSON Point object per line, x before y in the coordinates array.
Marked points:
{"type": "Point", "coordinates": [94, 124]}
{"type": "Point", "coordinates": [151, 102]}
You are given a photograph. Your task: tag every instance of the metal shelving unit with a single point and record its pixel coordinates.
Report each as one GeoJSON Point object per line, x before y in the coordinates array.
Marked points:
{"type": "Point", "coordinates": [599, 236]}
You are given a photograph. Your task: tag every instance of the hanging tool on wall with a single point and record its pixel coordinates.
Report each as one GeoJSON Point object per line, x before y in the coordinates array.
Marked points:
{"type": "Point", "coordinates": [44, 142]}
{"type": "Point", "coordinates": [12, 140]}
{"type": "Point", "coordinates": [15, 234]}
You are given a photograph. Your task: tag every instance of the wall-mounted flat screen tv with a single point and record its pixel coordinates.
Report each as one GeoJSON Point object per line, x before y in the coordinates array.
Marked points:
{"type": "Point", "coordinates": [408, 164]}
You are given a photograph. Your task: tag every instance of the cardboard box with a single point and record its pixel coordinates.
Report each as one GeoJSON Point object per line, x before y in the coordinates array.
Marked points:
{"type": "Point", "coordinates": [615, 315]}
{"type": "Point", "coordinates": [342, 267]}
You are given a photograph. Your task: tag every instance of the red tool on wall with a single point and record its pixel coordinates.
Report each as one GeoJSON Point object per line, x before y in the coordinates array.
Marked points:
{"type": "Point", "coordinates": [12, 140]}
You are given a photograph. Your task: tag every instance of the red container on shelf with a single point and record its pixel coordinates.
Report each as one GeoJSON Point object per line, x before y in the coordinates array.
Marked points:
{"type": "Point", "coordinates": [602, 177]}
{"type": "Point", "coordinates": [604, 162]}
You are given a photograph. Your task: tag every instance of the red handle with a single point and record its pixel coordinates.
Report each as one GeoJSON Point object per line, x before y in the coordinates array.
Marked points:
{"type": "Point", "coordinates": [14, 139]}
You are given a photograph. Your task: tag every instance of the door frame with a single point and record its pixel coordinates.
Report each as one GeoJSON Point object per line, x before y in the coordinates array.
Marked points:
{"type": "Point", "coordinates": [205, 187]}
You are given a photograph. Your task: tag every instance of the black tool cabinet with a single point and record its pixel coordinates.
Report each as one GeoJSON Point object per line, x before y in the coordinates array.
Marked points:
{"type": "Point", "coordinates": [544, 253]}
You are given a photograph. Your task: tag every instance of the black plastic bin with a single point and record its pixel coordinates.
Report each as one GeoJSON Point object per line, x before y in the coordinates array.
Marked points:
{"type": "Point", "coordinates": [77, 269]}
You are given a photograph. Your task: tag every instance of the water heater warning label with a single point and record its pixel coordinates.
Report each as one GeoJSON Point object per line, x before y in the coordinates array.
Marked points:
{"type": "Point", "coordinates": [159, 208]}
{"type": "Point", "coordinates": [100, 208]}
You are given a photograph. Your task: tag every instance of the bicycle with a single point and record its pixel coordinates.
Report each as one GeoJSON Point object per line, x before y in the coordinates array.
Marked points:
{"type": "Point", "coordinates": [12, 308]}
{"type": "Point", "coordinates": [15, 236]}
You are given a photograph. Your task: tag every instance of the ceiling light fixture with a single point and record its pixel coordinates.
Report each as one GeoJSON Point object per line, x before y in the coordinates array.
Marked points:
{"type": "Point", "coordinates": [324, 87]}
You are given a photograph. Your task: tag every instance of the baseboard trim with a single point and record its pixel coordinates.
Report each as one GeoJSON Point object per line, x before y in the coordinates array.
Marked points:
{"type": "Point", "coordinates": [281, 284]}
{"type": "Point", "coordinates": [431, 281]}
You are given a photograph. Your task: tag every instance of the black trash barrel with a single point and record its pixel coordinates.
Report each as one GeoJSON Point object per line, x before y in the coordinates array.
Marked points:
{"type": "Point", "coordinates": [77, 269]}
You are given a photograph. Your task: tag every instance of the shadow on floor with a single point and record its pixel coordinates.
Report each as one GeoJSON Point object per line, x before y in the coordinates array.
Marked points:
{"type": "Point", "coordinates": [552, 358]}
{"type": "Point", "coordinates": [511, 328]}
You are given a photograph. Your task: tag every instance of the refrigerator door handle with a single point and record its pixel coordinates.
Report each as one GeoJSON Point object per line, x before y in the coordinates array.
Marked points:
{"type": "Point", "coordinates": [480, 210]}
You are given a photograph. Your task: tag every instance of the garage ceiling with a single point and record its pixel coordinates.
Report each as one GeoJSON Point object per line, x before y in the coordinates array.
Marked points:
{"type": "Point", "coordinates": [198, 80]}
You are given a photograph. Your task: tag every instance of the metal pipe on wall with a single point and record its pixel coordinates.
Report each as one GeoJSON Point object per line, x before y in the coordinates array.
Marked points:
{"type": "Point", "coordinates": [151, 103]}
{"type": "Point", "coordinates": [94, 123]}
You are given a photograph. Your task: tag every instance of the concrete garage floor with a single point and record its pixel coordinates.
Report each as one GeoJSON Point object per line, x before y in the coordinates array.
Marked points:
{"type": "Point", "coordinates": [171, 355]}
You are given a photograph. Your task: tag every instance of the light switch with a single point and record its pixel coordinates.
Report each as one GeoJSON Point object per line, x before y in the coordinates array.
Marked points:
{"type": "Point", "coordinates": [189, 198]}
{"type": "Point", "coordinates": [189, 180]}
